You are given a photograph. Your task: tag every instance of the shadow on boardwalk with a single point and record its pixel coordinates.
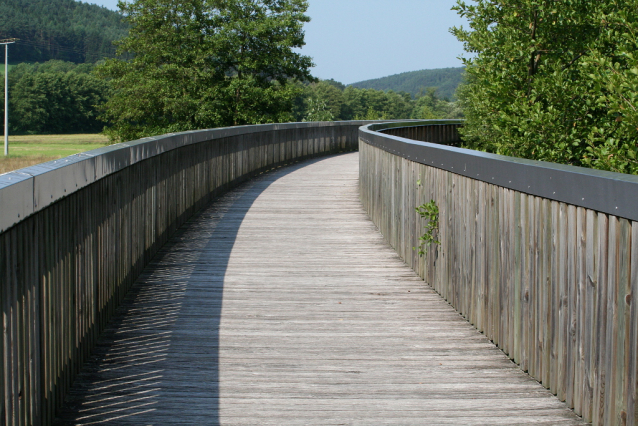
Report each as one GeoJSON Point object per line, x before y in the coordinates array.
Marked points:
{"type": "Point", "coordinates": [161, 349]}
{"type": "Point", "coordinates": [282, 304]}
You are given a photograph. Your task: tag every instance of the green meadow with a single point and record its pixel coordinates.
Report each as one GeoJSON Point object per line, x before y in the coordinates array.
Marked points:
{"type": "Point", "coordinates": [28, 150]}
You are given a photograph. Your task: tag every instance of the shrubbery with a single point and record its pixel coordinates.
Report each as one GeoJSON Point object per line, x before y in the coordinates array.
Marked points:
{"type": "Point", "coordinates": [330, 100]}
{"type": "Point", "coordinates": [553, 81]}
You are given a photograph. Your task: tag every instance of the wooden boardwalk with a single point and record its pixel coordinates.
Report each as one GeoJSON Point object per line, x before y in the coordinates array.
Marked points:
{"type": "Point", "coordinates": [281, 304]}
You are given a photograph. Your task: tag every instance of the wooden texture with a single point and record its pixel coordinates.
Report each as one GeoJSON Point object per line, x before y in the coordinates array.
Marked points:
{"type": "Point", "coordinates": [65, 269]}
{"type": "Point", "coordinates": [281, 304]}
{"type": "Point", "coordinates": [564, 308]}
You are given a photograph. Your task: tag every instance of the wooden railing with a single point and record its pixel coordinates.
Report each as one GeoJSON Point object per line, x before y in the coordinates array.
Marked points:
{"type": "Point", "coordinates": [542, 258]}
{"type": "Point", "coordinates": [75, 233]}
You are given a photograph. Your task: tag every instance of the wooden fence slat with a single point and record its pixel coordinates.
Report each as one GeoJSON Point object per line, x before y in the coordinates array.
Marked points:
{"type": "Point", "coordinates": [547, 294]}
{"type": "Point", "coordinates": [589, 325]}
{"type": "Point", "coordinates": [538, 295]}
{"type": "Point", "coordinates": [571, 302]}
{"type": "Point", "coordinates": [632, 350]}
{"type": "Point", "coordinates": [601, 321]}
{"type": "Point", "coordinates": [554, 323]}
{"type": "Point", "coordinates": [515, 296]}
{"type": "Point", "coordinates": [611, 341]}
{"type": "Point", "coordinates": [495, 263]}
{"type": "Point", "coordinates": [524, 262]}
{"type": "Point", "coordinates": [625, 350]}
{"type": "Point", "coordinates": [581, 282]}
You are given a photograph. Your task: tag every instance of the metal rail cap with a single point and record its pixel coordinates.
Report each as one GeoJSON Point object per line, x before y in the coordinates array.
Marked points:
{"type": "Point", "coordinates": [603, 191]}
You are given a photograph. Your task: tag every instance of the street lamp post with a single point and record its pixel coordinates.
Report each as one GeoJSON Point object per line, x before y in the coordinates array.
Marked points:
{"type": "Point", "coordinates": [6, 43]}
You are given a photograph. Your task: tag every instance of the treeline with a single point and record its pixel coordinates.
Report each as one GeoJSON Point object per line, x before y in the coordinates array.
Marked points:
{"type": "Point", "coordinates": [228, 81]}
{"type": "Point", "coordinates": [59, 29]}
{"type": "Point", "coordinates": [446, 80]}
{"type": "Point", "coordinates": [63, 97]}
{"type": "Point", "coordinates": [328, 100]}
{"type": "Point", "coordinates": [54, 97]}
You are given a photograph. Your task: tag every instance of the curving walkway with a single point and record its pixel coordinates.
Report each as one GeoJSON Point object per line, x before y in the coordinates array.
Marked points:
{"type": "Point", "coordinates": [281, 304]}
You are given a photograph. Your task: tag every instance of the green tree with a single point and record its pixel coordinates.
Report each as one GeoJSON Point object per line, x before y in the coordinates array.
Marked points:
{"type": "Point", "coordinates": [375, 104]}
{"type": "Point", "coordinates": [317, 110]}
{"type": "Point", "coordinates": [530, 91]}
{"type": "Point", "coordinates": [429, 105]}
{"type": "Point", "coordinates": [55, 97]}
{"type": "Point", "coordinates": [205, 63]}
{"type": "Point", "coordinates": [613, 67]}
{"type": "Point", "coordinates": [57, 103]}
{"type": "Point", "coordinates": [328, 93]}
{"type": "Point", "coordinates": [331, 100]}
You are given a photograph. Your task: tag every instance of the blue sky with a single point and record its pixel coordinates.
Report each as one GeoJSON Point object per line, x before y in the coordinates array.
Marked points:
{"type": "Point", "coordinates": [354, 40]}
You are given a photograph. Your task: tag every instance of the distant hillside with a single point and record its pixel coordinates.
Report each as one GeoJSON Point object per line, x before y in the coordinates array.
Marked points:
{"type": "Point", "coordinates": [59, 29]}
{"type": "Point", "coordinates": [445, 79]}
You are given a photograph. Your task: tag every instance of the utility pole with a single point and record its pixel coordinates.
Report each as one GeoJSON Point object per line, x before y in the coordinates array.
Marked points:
{"type": "Point", "coordinates": [6, 43]}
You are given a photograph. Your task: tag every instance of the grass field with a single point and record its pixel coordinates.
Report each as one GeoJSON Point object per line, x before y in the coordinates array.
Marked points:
{"type": "Point", "coordinates": [26, 151]}
{"type": "Point", "coordinates": [2, 68]}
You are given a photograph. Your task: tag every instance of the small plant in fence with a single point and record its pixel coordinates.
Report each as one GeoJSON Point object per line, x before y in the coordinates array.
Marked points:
{"type": "Point", "coordinates": [430, 212]}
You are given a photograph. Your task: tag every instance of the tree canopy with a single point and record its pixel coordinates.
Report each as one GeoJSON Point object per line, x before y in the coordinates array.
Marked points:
{"type": "Point", "coordinates": [328, 100]}
{"type": "Point", "coordinates": [54, 97]}
{"type": "Point", "coordinates": [59, 29]}
{"type": "Point", "coordinates": [205, 63]}
{"type": "Point", "coordinates": [548, 80]}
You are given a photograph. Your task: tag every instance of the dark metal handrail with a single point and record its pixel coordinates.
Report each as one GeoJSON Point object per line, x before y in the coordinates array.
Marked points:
{"type": "Point", "coordinates": [607, 192]}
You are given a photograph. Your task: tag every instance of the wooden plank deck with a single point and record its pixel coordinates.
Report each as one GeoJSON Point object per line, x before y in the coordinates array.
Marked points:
{"type": "Point", "coordinates": [281, 304]}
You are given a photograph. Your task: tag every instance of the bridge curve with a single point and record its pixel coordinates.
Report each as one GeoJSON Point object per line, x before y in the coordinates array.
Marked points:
{"type": "Point", "coordinates": [75, 233]}
{"type": "Point", "coordinates": [547, 272]}
{"type": "Point", "coordinates": [281, 304]}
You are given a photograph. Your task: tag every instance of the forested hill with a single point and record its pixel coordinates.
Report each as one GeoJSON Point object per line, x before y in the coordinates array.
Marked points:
{"type": "Point", "coordinates": [445, 80]}
{"type": "Point", "coordinates": [59, 29]}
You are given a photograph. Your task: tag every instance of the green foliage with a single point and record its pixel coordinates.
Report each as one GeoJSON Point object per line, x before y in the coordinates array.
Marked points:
{"type": "Point", "coordinates": [328, 99]}
{"type": "Point", "coordinates": [59, 29]}
{"type": "Point", "coordinates": [205, 63]}
{"type": "Point", "coordinates": [323, 100]}
{"type": "Point", "coordinates": [613, 68]}
{"type": "Point", "coordinates": [53, 98]}
{"type": "Point", "coordinates": [430, 212]}
{"type": "Point", "coordinates": [542, 84]}
{"type": "Point", "coordinates": [446, 80]}
{"type": "Point", "coordinates": [370, 104]}
{"type": "Point", "coordinates": [429, 105]}
{"type": "Point", "coordinates": [317, 110]}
